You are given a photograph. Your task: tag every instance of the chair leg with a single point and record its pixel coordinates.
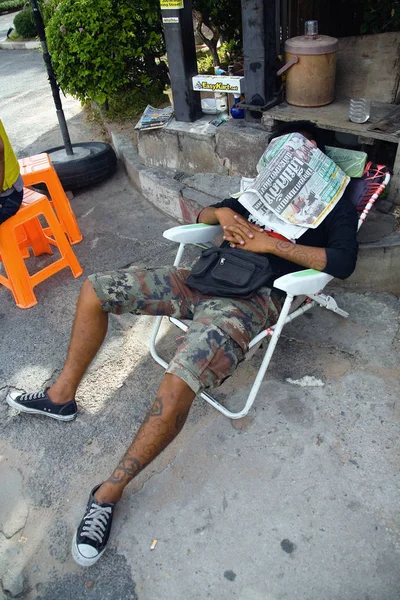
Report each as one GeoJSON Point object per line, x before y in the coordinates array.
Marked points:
{"type": "Point", "coordinates": [17, 273]}
{"type": "Point", "coordinates": [153, 339]}
{"type": "Point", "coordinates": [329, 303]}
{"type": "Point", "coordinates": [36, 238]}
{"type": "Point", "coordinates": [63, 208]}
{"type": "Point", "coordinates": [62, 242]}
{"type": "Point", "coordinates": [262, 370]}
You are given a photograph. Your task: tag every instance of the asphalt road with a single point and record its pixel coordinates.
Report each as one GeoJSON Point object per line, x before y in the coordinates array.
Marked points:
{"type": "Point", "coordinates": [26, 103]}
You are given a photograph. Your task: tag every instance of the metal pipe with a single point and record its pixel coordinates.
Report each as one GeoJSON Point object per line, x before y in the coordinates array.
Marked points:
{"type": "Point", "coordinates": [55, 89]}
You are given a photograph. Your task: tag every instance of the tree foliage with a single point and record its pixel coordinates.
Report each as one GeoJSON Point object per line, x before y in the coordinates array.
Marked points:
{"type": "Point", "coordinates": [100, 47]}
{"type": "Point", "coordinates": [24, 23]}
{"type": "Point", "coordinates": [9, 5]}
{"type": "Point", "coordinates": [382, 16]}
{"type": "Point", "coordinates": [224, 19]}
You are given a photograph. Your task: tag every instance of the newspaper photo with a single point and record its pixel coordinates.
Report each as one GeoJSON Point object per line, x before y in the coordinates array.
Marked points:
{"type": "Point", "coordinates": [297, 183]}
{"type": "Point", "coordinates": [154, 118]}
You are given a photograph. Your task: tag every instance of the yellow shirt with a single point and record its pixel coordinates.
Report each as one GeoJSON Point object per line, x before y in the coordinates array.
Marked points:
{"type": "Point", "coordinates": [11, 166]}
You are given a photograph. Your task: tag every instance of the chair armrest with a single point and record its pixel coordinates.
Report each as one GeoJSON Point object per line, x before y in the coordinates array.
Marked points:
{"type": "Point", "coordinates": [198, 233]}
{"type": "Point", "coordinates": [304, 282]}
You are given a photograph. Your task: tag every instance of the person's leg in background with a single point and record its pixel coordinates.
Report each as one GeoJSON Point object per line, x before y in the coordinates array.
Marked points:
{"type": "Point", "coordinates": [10, 204]}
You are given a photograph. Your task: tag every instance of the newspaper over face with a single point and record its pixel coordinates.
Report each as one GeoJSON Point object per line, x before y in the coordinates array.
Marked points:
{"type": "Point", "coordinates": [296, 188]}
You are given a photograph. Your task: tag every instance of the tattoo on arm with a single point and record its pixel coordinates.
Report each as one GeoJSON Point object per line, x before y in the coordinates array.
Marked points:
{"type": "Point", "coordinates": [306, 256]}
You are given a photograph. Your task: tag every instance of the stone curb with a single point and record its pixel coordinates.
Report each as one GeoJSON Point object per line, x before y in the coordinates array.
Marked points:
{"type": "Point", "coordinates": [377, 266]}
{"type": "Point", "coordinates": [19, 45]}
{"type": "Point", "coordinates": [161, 187]}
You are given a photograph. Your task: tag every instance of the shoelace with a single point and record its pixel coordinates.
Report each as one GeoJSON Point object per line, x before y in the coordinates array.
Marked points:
{"type": "Point", "coordinates": [34, 396]}
{"type": "Point", "coordinates": [96, 522]}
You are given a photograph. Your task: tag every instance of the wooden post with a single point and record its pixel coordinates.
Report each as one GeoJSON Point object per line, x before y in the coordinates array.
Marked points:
{"type": "Point", "coordinates": [181, 52]}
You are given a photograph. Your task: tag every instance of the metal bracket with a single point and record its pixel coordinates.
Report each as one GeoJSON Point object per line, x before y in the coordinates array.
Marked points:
{"type": "Point", "coordinates": [331, 304]}
{"type": "Point", "coordinates": [258, 108]}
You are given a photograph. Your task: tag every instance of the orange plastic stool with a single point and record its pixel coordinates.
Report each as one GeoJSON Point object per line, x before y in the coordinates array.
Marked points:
{"type": "Point", "coordinates": [18, 279]}
{"type": "Point", "coordinates": [38, 169]}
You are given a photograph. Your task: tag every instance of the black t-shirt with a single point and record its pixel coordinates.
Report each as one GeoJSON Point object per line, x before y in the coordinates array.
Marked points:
{"type": "Point", "coordinates": [337, 234]}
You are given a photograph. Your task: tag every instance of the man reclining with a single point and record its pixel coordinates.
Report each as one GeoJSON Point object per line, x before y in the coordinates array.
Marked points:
{"type": "Point", "coordinates": [220, 331]}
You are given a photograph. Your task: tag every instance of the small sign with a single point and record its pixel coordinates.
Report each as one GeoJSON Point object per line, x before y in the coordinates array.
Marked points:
{"type": "Point", "coordinates": [170, 19]}
{"type": "Point", "coordinates": [170, 4]}
{"type": "Point", "coordinates": [227, 84]}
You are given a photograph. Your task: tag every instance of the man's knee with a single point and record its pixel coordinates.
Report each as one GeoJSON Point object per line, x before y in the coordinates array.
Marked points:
{"type": "Point", "coordinates": [88, 294]}
{"type": "Point", "coordinates": [175, 392]}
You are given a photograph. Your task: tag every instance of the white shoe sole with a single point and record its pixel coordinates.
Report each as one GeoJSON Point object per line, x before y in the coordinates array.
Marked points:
{"type": "Point", "coordinates": [11, 402]}
{"type": "Point", "coordinates": [82, 560]}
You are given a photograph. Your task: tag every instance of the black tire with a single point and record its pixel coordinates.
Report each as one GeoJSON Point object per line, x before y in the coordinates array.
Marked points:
{"type": "Point", "coordinates": [88, 170]}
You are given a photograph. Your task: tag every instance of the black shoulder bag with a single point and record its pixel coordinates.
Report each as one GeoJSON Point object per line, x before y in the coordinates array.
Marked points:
{"type": "Point", "coordinates": [229, 272]}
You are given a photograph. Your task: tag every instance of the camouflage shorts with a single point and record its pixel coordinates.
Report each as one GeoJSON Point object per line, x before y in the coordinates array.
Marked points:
{"type": "Point", "coordinates": [220, 330]}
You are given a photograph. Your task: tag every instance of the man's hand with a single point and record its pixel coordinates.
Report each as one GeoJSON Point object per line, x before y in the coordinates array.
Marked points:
{"type": "Point", "coordinates": [240, 233]}
{"type": "Point", "coordinates": [237, 229]}
{"type": "Point", "coordinates": [262, 243]}
{"type": "Point", "coordinates": [259, 241]}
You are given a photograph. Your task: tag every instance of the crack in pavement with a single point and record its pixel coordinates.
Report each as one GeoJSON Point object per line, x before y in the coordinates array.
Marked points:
{"type": "Point", "coordinates": [306, 342]}
{"type": "Point", "coordinates": [46, 381]}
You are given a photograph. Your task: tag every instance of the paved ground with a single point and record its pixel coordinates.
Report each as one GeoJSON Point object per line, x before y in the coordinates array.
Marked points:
{"type": "Point", "coordinates": [27, 108]}
{"type": "Point", "coordinates": [298, 500]}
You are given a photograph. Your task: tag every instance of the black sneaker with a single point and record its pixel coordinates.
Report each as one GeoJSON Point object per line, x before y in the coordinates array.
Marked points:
{"type": "Point", "coordinates": [92, 535]}
{"type": "Point", "coordinates": [39, 403]}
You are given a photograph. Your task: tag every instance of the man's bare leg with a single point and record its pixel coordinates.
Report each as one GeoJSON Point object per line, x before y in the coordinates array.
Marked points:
{"type": "Point", "coordinates": [162, 424]}
{"type": "Point", "coordinates": [88, 333]}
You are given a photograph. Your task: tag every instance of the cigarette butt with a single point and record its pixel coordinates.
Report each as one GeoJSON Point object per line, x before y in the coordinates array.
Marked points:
{"type": "Point", "coordinates": [153, 544]}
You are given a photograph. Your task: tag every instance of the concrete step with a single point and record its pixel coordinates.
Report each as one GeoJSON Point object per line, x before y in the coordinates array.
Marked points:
{"type": "Point", "coordinates": [182, 195]}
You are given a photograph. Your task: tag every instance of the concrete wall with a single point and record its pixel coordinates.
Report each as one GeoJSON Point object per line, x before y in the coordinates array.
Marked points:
{"type": "Point", "coordinates": [377, 267]}
{"type": "Point", "coordinates": [233, 148]}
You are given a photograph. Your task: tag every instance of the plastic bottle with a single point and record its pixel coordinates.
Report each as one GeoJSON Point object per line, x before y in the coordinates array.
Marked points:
{"type": "Point", "coordinates": [221, 103]}
{"type": "Point", "coordinates": [236, 112]}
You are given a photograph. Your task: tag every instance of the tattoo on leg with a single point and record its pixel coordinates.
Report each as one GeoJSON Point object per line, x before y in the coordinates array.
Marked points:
{"type": "Point", "coordinates": [126, 469]}
{"type": "Point", "coordinates": [157, 408]}
{"type": "Point", "coordinates": [153, 436]}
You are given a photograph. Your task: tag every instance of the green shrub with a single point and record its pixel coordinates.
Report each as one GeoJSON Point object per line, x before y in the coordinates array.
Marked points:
{"type": "Point", "coordinates": [100, 47]}
{"type": "Point", "coordinates": [130, 103]}
{"type": "Point", "coordinates": [9, 5]}
{"type": "Point", "coordinates": [48, 8]}
{"type": "Point", "coordinates": [230, 52]}
{"type": "Point", "coordinates": [205, 63]}
{"type": "Point", "coordinates": [24, 23]}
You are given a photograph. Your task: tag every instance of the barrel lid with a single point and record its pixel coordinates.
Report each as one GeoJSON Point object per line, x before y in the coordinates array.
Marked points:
{"type": "Point", "coordinates": [303, 44]}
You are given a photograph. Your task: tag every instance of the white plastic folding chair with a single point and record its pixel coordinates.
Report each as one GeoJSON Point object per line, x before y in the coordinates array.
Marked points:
{"type": "Point", "coordinates": [308, 282]}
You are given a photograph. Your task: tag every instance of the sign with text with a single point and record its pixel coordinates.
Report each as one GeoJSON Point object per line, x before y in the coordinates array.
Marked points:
{"type": "Point", "coordinates": [226, 84]}
{"type": "Point", "coordinates": [171, 4]}
{"type": "Point", "coordinates": [170, 19]}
